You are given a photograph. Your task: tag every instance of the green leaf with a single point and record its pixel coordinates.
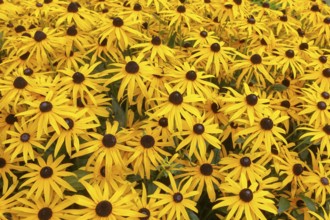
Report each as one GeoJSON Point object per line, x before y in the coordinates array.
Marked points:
{"type": "Point", "coordinates": [171, 41]}
{"type": "Point", "coordinates": [279, 87]}
{"type": "Point", "coordinates": [283, 205]}
{"type": "Point", "coordinates": [308, 202]}
{"type": "Point", "coordinates": [73, 180]}
{"type": "Point", "coordinates": [192, 215]}
{"type": "Point", "coordinates": [120, 115]}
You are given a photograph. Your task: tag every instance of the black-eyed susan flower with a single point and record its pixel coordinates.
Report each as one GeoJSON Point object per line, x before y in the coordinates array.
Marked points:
{"type": "Point", "coordinates": [51, 109]}
{"type": "Point", "coordinates": [215, 56]}
{"type": "Point", "coordinates": [205, 174]}
{"type": "Point", "coordinates": [294, 170]}
{"type": "Point", "coordinates": [147, 205]}
{"type": "Point", "coordinates": [235, 166]}
{"type": "Point", "coordinates": [23, 141]}
{"type": "Point", "coordinates": [318, 182]}
{"type": "Point", "coordinates": [118, 31]}
{"type": "Point", "coordinates": [79, 82]}
{"type": "Point", "coordinates": [244, 200]}
{"type": "Point", "coordinates": [187, 78]}
{"type": "Point", "coordinates": [72, 12]}
{"type": "Point", "coordinates": [319, 76]}
{"type": "Point", "coordinates": [70, 137]}
{"type": "Point", "coordinates": [15, 87]}
{"type": "Point", "coordinates": [319, 135]}
{"type": "Point", "coordinates": [250, 104]}
{"type": "Point", "coordinates": [9, 201]}
{"type": "Point", "coordinates": [198, 134]}
{"type": "Point", "coordinates": [39, 208]}
{"type": "Point", "coordinates": [265, 130]}
{"type": "Point", "coordinates": [47, 177]}
{"type": "Point", "coordinates": [155, 50]}
{"type": "Point", "coordinates": [201, 37]}
{"type": "Point", "coordinates": [107, 148]}
{"type": "Point", "coordinates": [101, 205]}
{"type": "Point", "coordinates": [41, 46]}
{"type": "Point", "coordinates": [325, 216]}
{"type": "Point", "coordinates": [97, 176]}
{"type": "Point", "coordinates": [315, 106]}
{"type": "Point", "coordinates": [173, 105]}
{"type": "Point", "coordinates": [133, 75]}
{"type": "Point", "coordinates": [176, 199]}
{"type": "Point", "coordinates": [254, 65]}
{"type": "Point", "coordinates": [147, 151]}
{"type": "Point", "coordinates": [7, 168]}
{"type": "Point", "coordinates": [7, 121]}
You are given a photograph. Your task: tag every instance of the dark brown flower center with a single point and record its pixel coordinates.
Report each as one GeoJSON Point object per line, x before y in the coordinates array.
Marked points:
{"type": "Point", "coordinates": [285, 103]}
{"type": "Point", "coordinates": [181, 9]}
{"type": "Point", "coordinates": [325, 95]}
{"type": "Point", "coordinates": [251, 99]}
{"type": "Point", "coordinates": [25, 137]}
{"type": "Point", "coordinates": [45, 106]}
{"type": "Point", "coordinates": [274, 150]}
{"type": "Point", "coordinates": [251, 20]}
{"type": "Point", "coordinates": [215, 47]}
{"type": "Point", "coordinates": [39, 5]}
{"type": "Point", "coordinates": [300, 32]}
{"type": "Point", "coordinates": [39, 36]}
{"type": "Point", "coordinates": [326, 129]}
{"type": "Point", "coordinates": [326, 20]}
{"type": "Point", "coordinates": [175, 98]}
{"type": "Point", "coordinates": [80, 102]}
{"type": "Point", "coordinates": [215, 107]}
{"type": "Point", "coordinates": [284, 18]}
{"type": "Point", "coordinates": [146, 212]}
{"type": "Point", "coordinates": [2, 162]}
{"type": "Point", "coordinates": [206, 169]}
{"type": "Point", "coordinates": [117, 22]}
{"type": "Point", "coordinates": [326, 72]}
{"type": "Point", "coordinates": [156, 41]}
{"type": "Point", "coordinates": [245, 161]}
{"type": "Point", "coordinates": [297, 169]}
{"type": "Point", "coordinates": [25, 56]}
{"type": "Point", "coordinates": [73, 7]}
{"type": "Point", "coordinates": [137, 7]}
{"type": "Point", "coordinates": [265, 5]}
{"type": "Point", "coordinates": [47, 1]}
{"type": "Point", "coordinates": [289, 53]}
{"type": "Point", "coordinates": [300, 203]}
{"type": "Point", "coordinates": [147, 141]}
{"type": "Point", "coordinates": [191, 75]}
{"type": "Point", "coordinates": [72, 31]}
{"type": "Point", "coordinates": [19, 29]}
{"type": "Point", "coordinates": [286, 82]}
{"type": "Point", "coordinates": [198, 128]}
{"type": "Point", "coordinates": [203, 34]}
{"type": "Point", "coordinates": [238, 2]}
{"type": "Point", "coordinates": [323, 59]}
{"type": "Point", "coordinates": [315, 8]}
{"type": "Point", "coordinates": [321, 105]}
{"type": "Point", "coordinates": [69, 122]}
{"type": "Point", "coordinates": [177, 197]}
{"type": "Point", "coordinates": [266, 124]}
{"type": "Point", "coordinates": [20, 83]}
{"type": "Point", "coordinates": [46, 172]}
{"type": "Point", "coordinates": [109, 140]}
{"type": "Point", "coordinates": [28, 72]}
{"type": "Point", "coordinates": [325, 181]}
{"type": "Point", "coordinates": [246, 195]}
{"type": "Point", "coordinates": [78, 78]}
{"type": "Point", "coordinates": [132, 67]}
{"type": "Point", "coordinates": [45, 213]}
{"type": "Point", "coordinates": [163, 122]}
{"type": "Point", "coordinates": [11, 119]}
{"type": "Point", "coordinates": [103, 208]}
{"type": "Point", "coordinates": [256, 59]}
{"type": "Point", "coordinates": [303, 46]}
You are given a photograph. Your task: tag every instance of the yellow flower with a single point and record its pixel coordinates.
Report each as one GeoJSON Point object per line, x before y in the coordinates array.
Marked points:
{"type": "Point", "coordinates": [47, 177]}
{"type": "Point", "coordinates": [176, 200]}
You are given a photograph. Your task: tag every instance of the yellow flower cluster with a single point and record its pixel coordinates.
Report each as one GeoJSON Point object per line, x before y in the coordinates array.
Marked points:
{"type": "Point", "coordinates": [164, 109]}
